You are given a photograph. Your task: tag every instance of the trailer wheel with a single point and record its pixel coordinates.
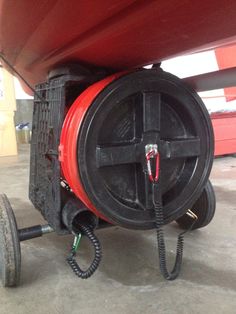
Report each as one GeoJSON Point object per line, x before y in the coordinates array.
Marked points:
{"type": "Point", "coordinates": [10, 253]}
{"type": "Point", "coordinates": [204, 208]}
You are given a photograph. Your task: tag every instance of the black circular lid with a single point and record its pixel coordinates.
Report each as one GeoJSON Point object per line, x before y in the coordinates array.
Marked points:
{"type": "Point", "coordinates": [141, 108]}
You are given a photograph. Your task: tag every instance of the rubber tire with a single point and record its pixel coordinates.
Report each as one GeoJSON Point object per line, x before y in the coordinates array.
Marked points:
{"type": "Point", "coordinates": [204, 208]}
{"type": "Point", "coordinates": [10, 253]}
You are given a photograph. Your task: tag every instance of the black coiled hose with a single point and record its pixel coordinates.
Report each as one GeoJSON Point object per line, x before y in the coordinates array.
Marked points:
{"type": "Point", "coordinates": [84, 274]}
{"type": "Point", "coordinates": [157, 201]}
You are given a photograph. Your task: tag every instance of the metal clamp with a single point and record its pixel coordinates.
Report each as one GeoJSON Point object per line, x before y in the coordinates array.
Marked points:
{"type": "Point", "coordinates": [151, 151]}
{"type": "Point", "coordinates": [191, 214]}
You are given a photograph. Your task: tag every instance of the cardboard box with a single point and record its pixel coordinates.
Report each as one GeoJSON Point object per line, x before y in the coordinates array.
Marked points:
{"type": "Point", "coordinates": [8, 145]}
{"type": "Point", "coordinates": [7, 91]}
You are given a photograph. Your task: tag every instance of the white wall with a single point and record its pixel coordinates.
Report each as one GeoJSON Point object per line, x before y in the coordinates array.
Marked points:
{"type": "Point", "coordinates": [19, 92]}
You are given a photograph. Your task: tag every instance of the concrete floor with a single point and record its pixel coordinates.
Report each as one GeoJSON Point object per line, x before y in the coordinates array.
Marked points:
{"type": "Point", "coordinates": [128, 280]}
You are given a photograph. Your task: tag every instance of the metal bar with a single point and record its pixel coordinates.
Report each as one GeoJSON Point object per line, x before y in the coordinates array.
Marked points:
{"type": "Point", "coordinates": [213, 80]}
{"type": "Point", "coordinates": [34, 232]}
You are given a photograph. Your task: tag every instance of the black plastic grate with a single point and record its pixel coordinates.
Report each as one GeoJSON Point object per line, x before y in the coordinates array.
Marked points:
{"type": "Point", "coordinates": [45, 189]}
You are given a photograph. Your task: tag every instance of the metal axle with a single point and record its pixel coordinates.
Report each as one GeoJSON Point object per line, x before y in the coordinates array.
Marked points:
{"type": "Point", "coordinates": [213, 80]}
{"type": "Point", "coordinates": [34, 232]}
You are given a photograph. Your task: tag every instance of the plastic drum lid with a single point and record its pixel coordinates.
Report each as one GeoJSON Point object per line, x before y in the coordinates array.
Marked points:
{"type": "Point", "coordinates": [92, 112]}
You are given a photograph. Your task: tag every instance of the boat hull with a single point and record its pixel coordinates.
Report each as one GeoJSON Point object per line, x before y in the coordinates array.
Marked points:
{"type": "Point", "coordinates": [37, 36]}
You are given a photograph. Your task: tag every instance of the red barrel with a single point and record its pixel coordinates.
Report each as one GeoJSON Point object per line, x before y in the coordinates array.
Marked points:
{"type": "Point", "coordinates": [69, 137]}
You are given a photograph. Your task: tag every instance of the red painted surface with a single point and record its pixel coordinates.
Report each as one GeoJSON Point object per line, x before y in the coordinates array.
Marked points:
{"type": "Point", "coordinates": [224, 125]}
{"type": "Point", "coordinates": [226, 58]}
{"type": "Point", "coordinates": [38, 35]}
{"type": "Point", "coordinates": [69, 139]}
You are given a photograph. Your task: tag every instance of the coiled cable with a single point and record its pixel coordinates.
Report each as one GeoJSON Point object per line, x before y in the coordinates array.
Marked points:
{"type": "Point", "coordinates": [84, 274]}
{"type": "Point", "coordinates": [158, 207]}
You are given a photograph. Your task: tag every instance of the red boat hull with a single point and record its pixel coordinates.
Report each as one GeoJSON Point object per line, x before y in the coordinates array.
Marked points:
{"type": "Point", "coordinates": [36, 36]}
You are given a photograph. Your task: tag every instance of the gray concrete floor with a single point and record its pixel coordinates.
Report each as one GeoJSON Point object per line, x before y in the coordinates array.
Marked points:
{"type": "Point", "coordinates": [128, 280]}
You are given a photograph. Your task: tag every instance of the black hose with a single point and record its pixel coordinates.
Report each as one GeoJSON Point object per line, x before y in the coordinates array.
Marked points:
{"type": "Point", "coordinates": [157, 201]}
{"type": "Point", "coordinates": [84, 274]}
